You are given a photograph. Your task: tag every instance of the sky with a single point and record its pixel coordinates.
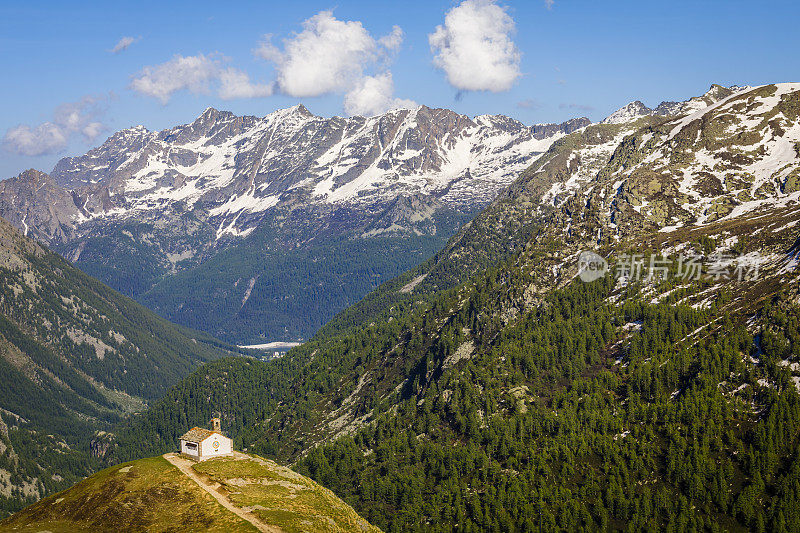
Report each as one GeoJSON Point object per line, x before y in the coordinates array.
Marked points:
{"type": "Point", "coordinates": [75, 72]}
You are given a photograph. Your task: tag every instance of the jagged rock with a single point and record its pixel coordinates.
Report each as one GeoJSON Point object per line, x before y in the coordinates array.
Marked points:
{"type": "Point", "coordinates": [102, 444]}
{"type": "Point", "coordinates": [38, 207]}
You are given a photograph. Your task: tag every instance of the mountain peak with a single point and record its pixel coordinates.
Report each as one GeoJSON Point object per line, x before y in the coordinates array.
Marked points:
{"type": "Point", "coordinates": [301, 110]}
{"type": "Point", "coordinates": [33, 175]}
{"type": "Point", "coordinates": [717, 92]}
{"type": "Point", "coordinates": [628, 112]}
{"type": "Point", "coordinates": [212, 114]}
{"type": "Point", "coordinates": [137, 130]}
{"type": "Point", "coordinates": [298, 111]}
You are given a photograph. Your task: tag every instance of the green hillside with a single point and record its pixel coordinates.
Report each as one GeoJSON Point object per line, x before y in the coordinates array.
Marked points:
{"type": "Point", "coordinates": [153, 495]}
{"type": "Point", "coordinates": [75, 358]}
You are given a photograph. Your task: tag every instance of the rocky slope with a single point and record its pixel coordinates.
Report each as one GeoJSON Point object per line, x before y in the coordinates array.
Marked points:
{"type": "Point", "coordinates": [492, 388]}
{"type": "Point", "coordinates": [75, 357]}
{"type": "Point", "coordinates": [145, 205]}
{"type": "Point", "coordinates": [153, 495]}
{"type": "Point", "coordinates": [731, 154]}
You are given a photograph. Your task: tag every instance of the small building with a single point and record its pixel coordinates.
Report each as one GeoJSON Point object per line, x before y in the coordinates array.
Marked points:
{"type": "Point", "coordinates": [201, 443]}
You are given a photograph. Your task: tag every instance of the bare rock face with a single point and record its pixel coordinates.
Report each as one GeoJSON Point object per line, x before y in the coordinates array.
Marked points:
{"type": "Point", "coordinates": [102, 443]}
{"type": "Point", "coordinates": [38, 207]}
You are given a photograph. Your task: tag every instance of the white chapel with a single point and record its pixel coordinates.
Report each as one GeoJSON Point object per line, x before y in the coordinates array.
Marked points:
{"type": "Point", "coordinates": [201, 443]}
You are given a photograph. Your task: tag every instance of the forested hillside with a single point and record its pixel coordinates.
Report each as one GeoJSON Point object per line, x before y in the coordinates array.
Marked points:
{"type": "Point", "coordinates": [518, 396]}
{"type": "Point", "coordinates": [75, 357]}
{"type": "Point", "coordinates": [261, 290]}
{"type": "Point", "coordinates": [579, 414]}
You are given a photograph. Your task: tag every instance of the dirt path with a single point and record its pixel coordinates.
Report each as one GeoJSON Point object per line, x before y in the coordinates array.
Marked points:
{"type": "Point", "coordinates": [185, 466]}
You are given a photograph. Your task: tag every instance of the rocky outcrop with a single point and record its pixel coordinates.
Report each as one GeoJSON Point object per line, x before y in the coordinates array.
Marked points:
{"type": "Point", "coordinates": [102, 444]}
{"type": "Point", "coordinates": [35, 204]}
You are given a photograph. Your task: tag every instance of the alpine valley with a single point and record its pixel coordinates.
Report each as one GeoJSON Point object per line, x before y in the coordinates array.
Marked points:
{"type": "Point", "coordinates": [491, 387]}
{"type": "Point", "coordinates": [76, 359]}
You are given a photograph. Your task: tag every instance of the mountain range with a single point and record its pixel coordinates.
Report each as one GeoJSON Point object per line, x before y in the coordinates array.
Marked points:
{"type": "Point", "coordinates": [285, 219]}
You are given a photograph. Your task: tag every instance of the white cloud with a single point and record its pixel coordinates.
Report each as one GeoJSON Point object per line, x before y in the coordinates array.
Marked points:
{"type": "Point", "coordinates": [549, 3]}
{"type": "Point", "coordinates": [196, 74]}
{"type": "Point", "coordinates": [235, 83]}
{"type": "Point", "coordinates": [91, 130]}
{"type": "Point", "coordinates": [329, 55]}
{"type": "Point", "coordinates": [393, 40]}
{"type": "Point", "coordinates": [372, 95]}
{"type": "Point", "coordinates": [192, 73]}
{"type": "Point", "coordinates": [336, 56]}
{"type": "Point", "coordinates": [69, 119]}
{"type": "Point", "coordinates": [124, 43]}
{"type": "Point", "coordinates": [46, 138]}
{"type": "Point", "coordinates": [474, 47]}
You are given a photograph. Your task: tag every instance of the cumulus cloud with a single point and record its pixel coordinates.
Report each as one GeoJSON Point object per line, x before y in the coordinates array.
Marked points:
{"type": "Point", "coordinates": [336, 56]}
{"type": "Point", "coordinates": [196, 74]}
{"type": "Point", "coordinates": [234, 83]}
{"type": "Point", "coordinates": [329, 55]}
{"type": "Point", "coordinates": [474, 47]}
{"type": "Point", "coordinates": [192, 73]}
{"type": "Point", "coordinates": [69, 120]}
{"type": "Point", "coordinates": [124, 43]}
{"type": "Point", "coordinates": [372, 95]}
{"type": "Point", "coordinates": [394, 40]}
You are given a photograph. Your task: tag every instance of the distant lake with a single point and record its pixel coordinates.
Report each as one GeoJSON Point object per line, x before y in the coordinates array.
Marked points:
{"type": "Point", "coordinates": [272, 346]}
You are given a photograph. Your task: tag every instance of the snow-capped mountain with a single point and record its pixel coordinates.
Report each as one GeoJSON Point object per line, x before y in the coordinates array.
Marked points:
{"type": "Point", "coordinates": [628, 112]}
{"type": "Point", "coordinates": [637, 109]}
{"type": "Point", "coordinates": [723, 156]}
{"type": "Point", "coordinates": [311, 213]}
{"type": "Point", "coordinates": [729, 157]}
{"type": "Point", "coordinates": [378, 194]}
{"type": "Point", "coordinates": [235, 168]}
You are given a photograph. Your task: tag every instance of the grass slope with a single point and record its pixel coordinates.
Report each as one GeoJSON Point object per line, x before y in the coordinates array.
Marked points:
{"type": "Point", "coordinates": [153, 495]}
{"type": "Point", "coordinates": [144, 495]}
{"type": "Point", "coordinates": [281, 497]}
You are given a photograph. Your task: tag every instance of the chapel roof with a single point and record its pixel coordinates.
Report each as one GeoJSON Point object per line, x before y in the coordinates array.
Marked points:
{"type": "Point", "coordinates": [197, 434]}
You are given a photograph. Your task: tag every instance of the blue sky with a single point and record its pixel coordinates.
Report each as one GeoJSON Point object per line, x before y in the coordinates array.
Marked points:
{"type": "Point", "coordinates": [567, 59]}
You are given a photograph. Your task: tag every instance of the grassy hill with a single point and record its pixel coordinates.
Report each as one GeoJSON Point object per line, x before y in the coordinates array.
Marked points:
{"type": "Point", "coordinates": [153, 495]}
